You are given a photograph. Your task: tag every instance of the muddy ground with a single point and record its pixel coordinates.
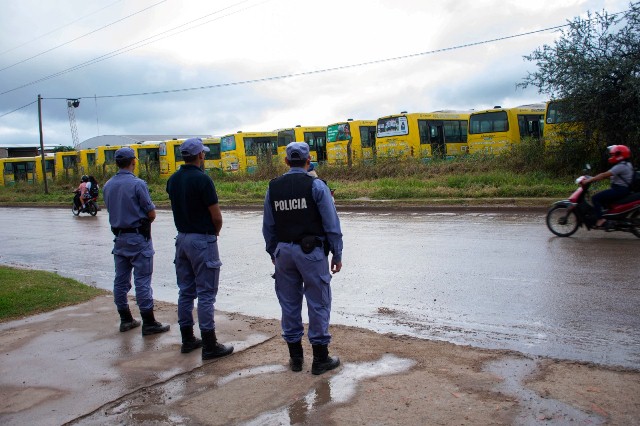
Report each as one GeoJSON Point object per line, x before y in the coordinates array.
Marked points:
{"type": "Point", "coordinates": [72, 366]}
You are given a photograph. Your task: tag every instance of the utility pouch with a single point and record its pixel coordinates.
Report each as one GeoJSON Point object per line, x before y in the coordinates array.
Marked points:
{"type": "Point", "coordinates": [145, 228]}
{"type": "Point", "coordinates": [309, 243]}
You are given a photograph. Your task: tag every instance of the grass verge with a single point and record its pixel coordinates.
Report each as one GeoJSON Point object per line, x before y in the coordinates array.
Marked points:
{"type": "Point", "coordinates": [25, 292]}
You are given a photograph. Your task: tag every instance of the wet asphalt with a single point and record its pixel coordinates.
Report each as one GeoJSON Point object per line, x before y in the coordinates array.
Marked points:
{"type": "Point", "coordinates": [491, 279]}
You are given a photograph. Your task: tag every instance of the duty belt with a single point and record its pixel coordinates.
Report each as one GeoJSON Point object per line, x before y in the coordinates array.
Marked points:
{"type": "Point", "coordinates": [118, 231]}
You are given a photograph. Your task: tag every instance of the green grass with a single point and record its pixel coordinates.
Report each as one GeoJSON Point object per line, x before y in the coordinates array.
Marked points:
{"type": "Point", "coordinates": [517, 175]}
{"type": "Point", "coordinates": [26, 292]}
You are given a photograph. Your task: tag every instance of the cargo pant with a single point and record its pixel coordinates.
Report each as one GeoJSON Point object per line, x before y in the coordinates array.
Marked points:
{"type": "Point", "coordinates": [132, 252]}
{"type": "Point", "coordinates": [297, 275]}
{"type": "Point", "coordinates": [197, 263]}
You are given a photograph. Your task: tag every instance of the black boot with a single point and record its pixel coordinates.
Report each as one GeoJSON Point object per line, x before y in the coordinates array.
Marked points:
{"type": "Point", "coordinates": [296, 356]}
{"type": "Point", "coordinates": [126, 320]}
{"type": "Point", "coordinates": [150, 325]}
{"type": "Point", "coordinates": [210, 346]}
{"type": "Point", "coordinates": [189, 341]}
{"type": "Point", "coordinates": [322, 362]}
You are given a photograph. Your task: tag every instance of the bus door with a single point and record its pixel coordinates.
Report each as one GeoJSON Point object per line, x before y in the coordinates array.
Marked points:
{"type": "Point", "coordinates": [8, 173]}
{"type": "Point", "coordinates": [368, 143]}
{"type": "Point", "coordinates": [436, 138]}
{"type": "Point", "coordinates": [317, 142]}
{"type": "Point", "coordinates": [530, 125]}
{"type": "Point", "coordinates": [24, 172]}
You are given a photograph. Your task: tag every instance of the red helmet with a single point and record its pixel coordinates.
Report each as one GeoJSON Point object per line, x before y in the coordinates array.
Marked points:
{"type": "Point", "coordinates": [618, 153]}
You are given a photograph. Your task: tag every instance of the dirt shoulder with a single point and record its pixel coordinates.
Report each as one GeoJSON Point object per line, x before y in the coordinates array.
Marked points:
{"type": "Point", "coordinates": [73, 366]}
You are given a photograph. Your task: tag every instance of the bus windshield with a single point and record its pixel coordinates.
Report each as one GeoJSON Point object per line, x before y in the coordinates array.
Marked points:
{"type": "Point", "coordinates": [488, 122]}
{"type": "Point", "coordinates": [259, 145]}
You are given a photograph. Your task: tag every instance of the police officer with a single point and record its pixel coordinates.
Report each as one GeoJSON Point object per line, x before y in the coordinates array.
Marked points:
{"type": "Point", "coordinates": [131, 212]}
{"type": "Point", "coordinates": [300, 227]}
{"type": "Point", "coordinates": [198, 218]}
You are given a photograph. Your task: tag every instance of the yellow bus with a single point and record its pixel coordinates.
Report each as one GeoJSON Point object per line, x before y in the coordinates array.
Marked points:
{"type": "Point", "coordinates": [246, 151]}
{"type": "Point", "coordinates": [496, 129]}
{"type": "Point", "coordinates": [314, 136]}
{"type": "Point", "coordinates": [171, 158]}
{"type": "Point", "coordinates": [148, 157]}
{"type": "Point", "coordinates": [351, 142]}
{"type": "Point", "coordinates": [25, 169]}
{"type": "Point", "coordinates": [423, 135]}
{"type": "Point", "coordinates": [87, 165]}
{"type": "Point", "coordinates": [105, 159]}
{"type": "Point", "coordinates": [561, 125]}
{"type": "Point", "coordinates": [66, 164]}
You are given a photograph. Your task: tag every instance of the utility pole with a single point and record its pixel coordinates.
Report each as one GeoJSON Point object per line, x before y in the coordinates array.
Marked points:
{"type": "Point", "coordinates": [44, 163]}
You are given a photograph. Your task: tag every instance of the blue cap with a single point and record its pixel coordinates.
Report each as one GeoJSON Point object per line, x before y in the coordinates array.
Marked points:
{"type": "Point", "coordinates": [125, 153]}
{"type": "Point", "coordinates": [193, 146]}
{"type": "Point", "coordinates": [297, 151]}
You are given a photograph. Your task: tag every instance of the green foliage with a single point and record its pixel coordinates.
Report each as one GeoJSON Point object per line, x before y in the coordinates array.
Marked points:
{"type": "Point", "coordinates": [24, 292]}
{"type": "Point", "coordinates": [594, 67]}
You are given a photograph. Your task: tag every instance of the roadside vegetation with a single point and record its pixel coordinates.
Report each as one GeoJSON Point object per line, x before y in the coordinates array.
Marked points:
{"type": "Point", "coordinates": [522, 173]}
{"type": "Point", "coordinates": [26, 292]}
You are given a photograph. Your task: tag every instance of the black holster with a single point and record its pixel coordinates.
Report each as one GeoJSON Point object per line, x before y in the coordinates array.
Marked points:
{"type": "Point", "coordinates": [145, 228]}
{"type": "Point", "coordinates": [309, 243]}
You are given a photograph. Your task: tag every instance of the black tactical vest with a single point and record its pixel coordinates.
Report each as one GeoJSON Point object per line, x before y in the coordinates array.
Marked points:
{"type": "Point", "coordinates": [294, 210]}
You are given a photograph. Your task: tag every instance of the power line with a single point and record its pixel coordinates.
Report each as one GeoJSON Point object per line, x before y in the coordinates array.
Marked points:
{"type": "Point", "coordinates": [141, 43]}
{"type": "Point", "coordinates": [59, 28]}
{"type": "Point", "coordinates": [18, 109]}
{"type": "Point", "coordinates": [82, 36]}
{"type": "Point", "coordinates": [326, 70]}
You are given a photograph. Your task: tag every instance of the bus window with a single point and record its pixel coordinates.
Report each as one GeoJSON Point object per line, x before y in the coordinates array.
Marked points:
{"type": "Point", "coordinates": [368, 136]}
{"type": "Point", "coordinates": [109, 156]}
{"type": "Point", "coordinates": [285, 137]}
{"type": "Point", "coordinates": [214, 152]}
{"type": "Point", "coordinates": [489, 122]}
{"type": "Point", "coordinates": [530, 125]}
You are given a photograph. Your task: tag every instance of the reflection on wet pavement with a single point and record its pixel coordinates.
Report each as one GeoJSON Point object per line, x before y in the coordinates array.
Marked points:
{"type": "Point", "coordinates": [497, 280]}
{"type": "Point", "coordinates": [338, 389]}
{"type": "Point", "coordinates": [535, 409]}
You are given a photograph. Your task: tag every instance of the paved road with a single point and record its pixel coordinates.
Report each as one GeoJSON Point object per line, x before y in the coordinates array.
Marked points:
{"type": "Point", "coordinates": [493, 280]}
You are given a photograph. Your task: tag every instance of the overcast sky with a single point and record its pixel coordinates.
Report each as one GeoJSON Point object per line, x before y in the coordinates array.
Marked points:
{"type": "Point", "coordinates": [98, 49]}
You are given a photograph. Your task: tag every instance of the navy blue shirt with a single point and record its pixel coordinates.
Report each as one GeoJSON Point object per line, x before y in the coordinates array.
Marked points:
{"type": "Point", "coordinates": [192, 192]}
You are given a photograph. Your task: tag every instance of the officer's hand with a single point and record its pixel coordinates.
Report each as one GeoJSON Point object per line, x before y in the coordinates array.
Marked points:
{"type": "Point", "coordinates": [335, 266]}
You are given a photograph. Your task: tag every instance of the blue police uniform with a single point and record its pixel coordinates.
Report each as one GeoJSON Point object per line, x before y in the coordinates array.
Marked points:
{"type": "Point", "coordinates": [299, 221]}
{"type": "Point", "coordinates": [299, 274]}
{"type": "Point", "coordinates": [128, 201]}
{"type": "Point", "coordinates": [194, 203]}
{"type": "Point", "coordinates": [197, 259]}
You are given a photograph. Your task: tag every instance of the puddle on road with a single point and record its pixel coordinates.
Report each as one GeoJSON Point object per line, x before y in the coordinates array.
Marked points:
{"type": "Point", "coordinates": [338, 390]}
{"type": "Point", "coordinates": [535, 409]}
{"type": "Point", "coordinates": [250, 372]}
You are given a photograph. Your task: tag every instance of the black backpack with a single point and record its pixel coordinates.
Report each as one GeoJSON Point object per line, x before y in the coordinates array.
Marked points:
{"type": "Point", "coordinates": [94, 190]}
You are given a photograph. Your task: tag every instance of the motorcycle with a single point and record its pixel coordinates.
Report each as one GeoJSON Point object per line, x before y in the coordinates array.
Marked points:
{"type": "Point", "coordinates": [566, 216]}
{"type": "Point", "coordinates": [90, 206]}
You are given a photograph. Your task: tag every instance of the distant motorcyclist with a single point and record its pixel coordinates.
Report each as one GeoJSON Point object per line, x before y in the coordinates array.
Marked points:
{"type": "Point", "coordinates": [81, 191]}
{"type": "Point", "coordinates": [621, 175]}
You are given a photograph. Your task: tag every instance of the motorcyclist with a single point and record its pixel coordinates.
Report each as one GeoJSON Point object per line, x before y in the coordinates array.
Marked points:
{"type": "Point", "coordinates": [621, 176]}
{"type": "Point", "coordinates": [81, 192]}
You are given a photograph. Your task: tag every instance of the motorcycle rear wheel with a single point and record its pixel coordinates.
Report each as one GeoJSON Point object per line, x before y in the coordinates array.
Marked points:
{"type": "Point", "coordinates": [92, 209]}
{"type": "Point", "coordinates": [635, 223]}
{"type": "Point", "coordinates": [562, 222]}
{"type": "Point", "coordinates": [75, 209]}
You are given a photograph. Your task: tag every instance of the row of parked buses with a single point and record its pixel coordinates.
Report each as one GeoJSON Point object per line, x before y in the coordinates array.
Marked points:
{"type": "Point", "coordinates": [438, 134]}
